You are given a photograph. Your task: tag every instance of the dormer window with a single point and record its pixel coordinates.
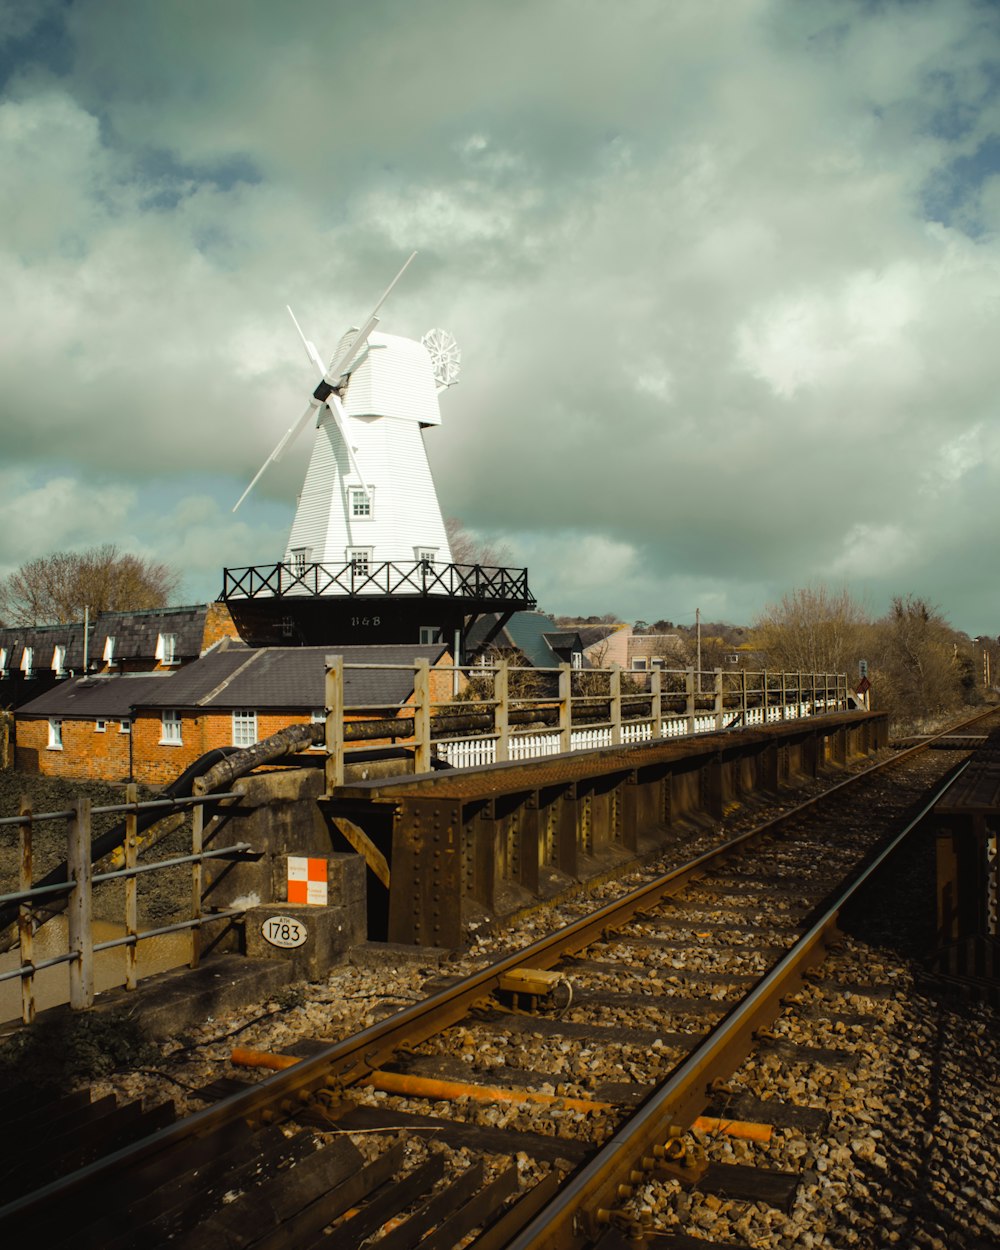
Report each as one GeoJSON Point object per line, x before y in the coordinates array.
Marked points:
{"type": "Point", "coordinates": [109, 649]}
{"type": "Point", "coordinates": [166, 646]}
{"type": "Point", "coordinates": [26, 661]}
{"type": "Point", "coordinates": [360, 501]}
{"type": "Point", "coordinates": [59, 660]}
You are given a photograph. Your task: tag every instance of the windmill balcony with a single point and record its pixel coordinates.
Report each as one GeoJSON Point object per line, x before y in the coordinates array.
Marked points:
{"type": "Point", "coordinates": [419, 577]}
{"type": "Point", "coordinates": [358, 602]}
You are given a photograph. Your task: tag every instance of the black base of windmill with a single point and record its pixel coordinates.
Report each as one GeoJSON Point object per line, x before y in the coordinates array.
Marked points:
{"type": "Point", "coordinates": [324, 604]}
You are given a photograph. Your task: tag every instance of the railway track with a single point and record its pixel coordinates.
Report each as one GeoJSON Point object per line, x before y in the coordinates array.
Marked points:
{"type": "Point", "coordinates": [573, 1092]}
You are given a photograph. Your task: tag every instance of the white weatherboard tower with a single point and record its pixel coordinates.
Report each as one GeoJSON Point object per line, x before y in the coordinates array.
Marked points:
{"type": "Point", "coordinates": [368, 496]}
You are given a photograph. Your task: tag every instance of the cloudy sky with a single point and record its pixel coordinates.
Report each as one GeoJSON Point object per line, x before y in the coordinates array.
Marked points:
{"type": "Point", "coordinates": [725, 275]}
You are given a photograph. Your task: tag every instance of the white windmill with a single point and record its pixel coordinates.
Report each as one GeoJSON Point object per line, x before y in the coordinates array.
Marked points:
{"type": "Point", "coordinates": [368, 496]}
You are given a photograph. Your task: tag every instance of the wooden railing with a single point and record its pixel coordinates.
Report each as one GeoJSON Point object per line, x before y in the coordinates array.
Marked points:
{"type": "Point", "coordinates": [500, 712]}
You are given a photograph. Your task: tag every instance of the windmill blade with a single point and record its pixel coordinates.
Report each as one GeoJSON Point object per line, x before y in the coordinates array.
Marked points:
{"type": "Point", "coordinates": [291, 433]}
{"type": "Point", "coordinates": [344, 358]}
{"type": "Point", "coordinates": [310, 347]}
{"type": "Point", "coordinates": [343, 424]}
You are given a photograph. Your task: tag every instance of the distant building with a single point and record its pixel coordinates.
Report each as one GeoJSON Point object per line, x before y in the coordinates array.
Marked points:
{"type": "Point", "coordinates": [528, 638]}
{"type": "Point", "coordinates": [647, 651]}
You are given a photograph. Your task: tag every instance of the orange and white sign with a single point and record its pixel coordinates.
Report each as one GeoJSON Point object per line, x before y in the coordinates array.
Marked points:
{"type": "Point", "coordinates": [307, 880]}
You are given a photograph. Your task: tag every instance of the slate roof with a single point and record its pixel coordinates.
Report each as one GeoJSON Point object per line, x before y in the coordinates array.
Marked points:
{"type": "Point", "coordinates": [534, 634]}
{"type": "Point", "coordinates": [43, 639]}
{"type": "Point", "coordinates": [94, 698]}
{"type": "Point", "coordinates": [236, 676]}
{"type": "Point", "coordinates": [135, 633]}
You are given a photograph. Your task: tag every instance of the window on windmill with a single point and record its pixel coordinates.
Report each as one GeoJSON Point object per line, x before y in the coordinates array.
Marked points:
{"type": "Point", "coordinates": [166, 648]}
{"type": "Point", "coordinates": [244, 728]}
{"type": "Point", "coordinates": [360, 560]}
{"type": "Point", "coordinates": [27, 656]}
{"type": "Point", "coordinates": [55, 733]}
{"type": "Point", "coordinates": [361, 501]}
{"type": "Point", "coordinates": [170, 728]}
{"type": "Point", "coordinates": [426, 556]}
{"type": "Point", "coordinates": [59, 660]}
{"type": "Point", "coordinates": [300, 558]}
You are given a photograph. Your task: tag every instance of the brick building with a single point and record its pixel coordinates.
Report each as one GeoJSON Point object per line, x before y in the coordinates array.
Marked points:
{"type": "Point", "coordinates": [150, 726]}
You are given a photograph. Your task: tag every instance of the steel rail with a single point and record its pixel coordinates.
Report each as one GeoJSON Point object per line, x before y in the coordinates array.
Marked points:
{"type": "Point", "coordinates": [584, 1205]}
{"type": "Point", "coordinates": [348, 1061]}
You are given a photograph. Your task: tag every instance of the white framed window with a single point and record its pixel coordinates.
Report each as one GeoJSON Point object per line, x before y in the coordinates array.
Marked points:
{"type": "Point", "coordinates": [658, 662]}
{"type": "Point", "coordinates": [124, 726]}
{"type": "Point", "coordinates": [3, 661]}
{"type": "Point", "coordinates": [429, 634]}
{"type": "Point", "coordinates": [109, 649]}
{"type": "Point", "coordinates": [59, 660]}
{"type": "Point", "coordinates": [576, 659]}
{"type": "Point", "coordinates": [100, 726]}
{"type": "Point", "coordinates": [27, 658]}
{"type": "Point", "coordinates": [166, 648]}
{"type": "Point", "coordinates": [318, 717]}
{"type": "Point", "coordinates": [244, 728]}
{"type": "Point", "coordinates": [640, 662]}
{"type": "Point", "coordinates": [55, 733]}
{"type": "Point", "coordinates": [301, 556]}
{"type": "Point", "coordinates": [360, 560]}
{"type": "Point", "coordinates": [170, 728]}
{"type": "Point", "coordinates": [426, 555]}
{"type": "Point", "coordinates": [360, 501]}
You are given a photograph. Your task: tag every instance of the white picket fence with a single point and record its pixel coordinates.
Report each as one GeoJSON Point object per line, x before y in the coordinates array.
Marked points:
{"type": "Point", "coordinates": [474, 752]}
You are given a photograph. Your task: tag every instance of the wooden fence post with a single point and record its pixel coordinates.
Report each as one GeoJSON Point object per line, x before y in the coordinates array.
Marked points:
{"type": "Point", "coordinates": [422, 716]}
{"type": "Point", "coordinates": [80, 910]}
{"type": "Point", "coordinates": [334, 722]}
{"type": "Point", "coordinates": [616, 705]}
{"type": "Point", "coordinates": [197, 879]}
{"type": "Point", "coordinates": [565, 707]}
{"type": "Point", "coordinates": [131, 888]}
{"type": "Point", "coordinates": [656, 689]}
{"type": "Point", "coordinates": [501, 710]}
{"type": "Point", "coordinates": [24, 914]}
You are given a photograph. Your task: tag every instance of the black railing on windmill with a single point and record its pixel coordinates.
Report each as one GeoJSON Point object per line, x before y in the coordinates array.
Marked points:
{"type": "Point", "coordinates": [355, 578]}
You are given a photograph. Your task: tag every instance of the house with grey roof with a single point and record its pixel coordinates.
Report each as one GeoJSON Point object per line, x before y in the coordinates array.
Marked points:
{"type": "Point", "coordinates": [526, 638]}
{"type": "Point", "coordinates": [151, 726]}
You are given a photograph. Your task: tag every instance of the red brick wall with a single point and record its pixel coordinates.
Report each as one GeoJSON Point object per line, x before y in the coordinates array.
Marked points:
{"type": "Point", "coordinates": [218, 624]}
{"type": "Point", "coordinates": [105, 756]}
{"type": "Point", "coordinates": [86, 753]}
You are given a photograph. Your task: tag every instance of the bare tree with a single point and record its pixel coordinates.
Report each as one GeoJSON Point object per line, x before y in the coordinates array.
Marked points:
{"type": "Point", "coordinates": [56, 589]}
{"type": "Point", "coordinates": [812, 630]}
{"type": "Point", "coordinates": [921, 666]}
{"type": "Point", "coordinates": [466, 548]}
